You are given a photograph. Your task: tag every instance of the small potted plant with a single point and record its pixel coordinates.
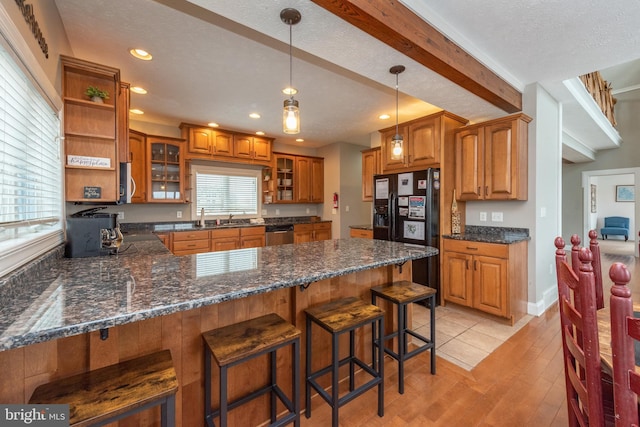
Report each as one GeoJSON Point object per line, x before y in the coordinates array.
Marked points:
{"type": "Point", "coordinates": [96, 95]}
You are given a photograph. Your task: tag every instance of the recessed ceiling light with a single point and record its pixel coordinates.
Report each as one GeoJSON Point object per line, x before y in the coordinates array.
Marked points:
{"type": "Point", "coordinates": [138, 89]}
{"type": "Point", "coordinates": [254, 115]}
{"type": "Point", "coordinates": [259, 133]}
{"type": "Point", "coordinates": [299, 140]}
{"type": "Point", "coordinates": [289, 90]}
{"type": "Point", "coordinates": [384, 116]}
{"type": "Point", "coordinates": [141, 54]}
{"type": "Point", "coordinates": [136, 111]}
{"type": "Point", "coordinates": [213, 124]}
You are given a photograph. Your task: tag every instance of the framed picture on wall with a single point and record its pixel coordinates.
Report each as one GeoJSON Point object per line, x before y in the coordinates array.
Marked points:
{"type": "Point", "coordinates": [625, 193]}
{"type": "Point", "coordinates": [593, 199]}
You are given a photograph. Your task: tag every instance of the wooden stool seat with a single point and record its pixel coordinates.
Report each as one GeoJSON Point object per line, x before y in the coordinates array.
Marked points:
{"type": "Point", "coordinates": [108, 394]}
{"type": "Point", "coordinates": [337, 317]}
{"type": "Point", "coordinates": [403, 293]}
{"type": "Point", "coordinates": [239, 342]}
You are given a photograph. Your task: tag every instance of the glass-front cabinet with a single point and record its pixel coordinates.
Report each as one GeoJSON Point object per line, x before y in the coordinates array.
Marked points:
{"type": "Point", "coordinates": [285, 182]}
{"type": "Point", "coordinates": [166, 170]}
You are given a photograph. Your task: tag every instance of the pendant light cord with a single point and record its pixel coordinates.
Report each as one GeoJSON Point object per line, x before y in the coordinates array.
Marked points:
{"type": "Point", "coordinates": [290, 61]}
{"type": "Point", "coordinates": [397, 103]}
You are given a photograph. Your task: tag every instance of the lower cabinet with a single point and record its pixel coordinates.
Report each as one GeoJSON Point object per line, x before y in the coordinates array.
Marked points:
{"type": "Point", "coordinates": [252, 237]}
{"type": "Point", "coordinates": [190, 242]}
{"type": "Point", "coordinates": [362, 233]}
{"type": "Point", "coordinates": [311, 232]}
{"type": "Point", "coordinates": [236, 238]}
{"type": "Point", "coordinates": [489, 277]}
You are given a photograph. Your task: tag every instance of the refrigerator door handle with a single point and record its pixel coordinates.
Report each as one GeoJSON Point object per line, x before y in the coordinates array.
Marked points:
{"type": "Point", "coordinates": [392, 216]}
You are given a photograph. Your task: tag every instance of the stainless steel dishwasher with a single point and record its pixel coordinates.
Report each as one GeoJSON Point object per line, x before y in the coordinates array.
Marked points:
{"type": "Point", "coordinates": [279, 234]}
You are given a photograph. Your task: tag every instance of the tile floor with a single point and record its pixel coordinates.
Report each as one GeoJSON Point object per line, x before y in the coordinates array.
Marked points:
{"type": "Point", "coordinates": [464, 336]}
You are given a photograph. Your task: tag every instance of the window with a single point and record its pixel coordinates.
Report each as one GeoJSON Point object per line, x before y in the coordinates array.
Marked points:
{"type": "Point", "coordinates": [30, 168]}
{"type": "Point", "coordinates": [224, 191]}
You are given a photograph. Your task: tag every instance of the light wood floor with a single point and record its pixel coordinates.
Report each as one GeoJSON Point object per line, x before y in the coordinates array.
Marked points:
{"type": "Point", "coordinates": [520, 384]}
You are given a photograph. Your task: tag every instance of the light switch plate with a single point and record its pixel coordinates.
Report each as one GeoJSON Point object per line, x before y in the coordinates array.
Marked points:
{"type": "Point", "coordinates": [483, 216]}
{"type": "Point", "coordinates": [496, 216]}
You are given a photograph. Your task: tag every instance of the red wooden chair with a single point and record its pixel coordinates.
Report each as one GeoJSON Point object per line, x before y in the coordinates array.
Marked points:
{"type": "Point", "coordinates": [577, 302]}
{"type": "Point", "coordinates": [625, 330]}
{"type": "Point", "coordinates": [596, 263]}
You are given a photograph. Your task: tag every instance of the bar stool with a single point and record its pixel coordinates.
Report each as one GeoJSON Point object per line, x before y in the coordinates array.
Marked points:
{"type": "Point", "coordinates": [402, 293]}
{"type": "Point", "coordinates": [108, 394]}
{"type": "Point", "coordinates": [240, 342]}
{"type": "Point", "coordinates": [338, 317]}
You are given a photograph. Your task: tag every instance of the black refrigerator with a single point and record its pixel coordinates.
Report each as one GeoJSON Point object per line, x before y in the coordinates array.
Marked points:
{"type": "Point", "coordinates": [406, 208]}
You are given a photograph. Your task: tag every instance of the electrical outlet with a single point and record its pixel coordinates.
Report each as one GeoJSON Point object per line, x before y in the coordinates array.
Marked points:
{"type": "Point", "coordinates": [264, 212]}
{"type": "Point", "coordinates": [277, 211]}
{"type": "Point", "coordinates": [308, 210]}
{"type": "Point", "coordinates": [483, 216]}
{"type": "Point", "coordinates": [120, 216]}
{"type": "Point", "coordinates": [179, 214]}
{"type": "Point", "coordinates": [496, 216]}
{"type": "Point", "coordinates": [346, 208]}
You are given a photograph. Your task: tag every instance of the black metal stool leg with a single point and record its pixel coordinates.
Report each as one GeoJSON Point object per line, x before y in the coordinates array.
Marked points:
{"type": "Point", "coordinates": [223, 396]}
{"type": "Point", "coordinates": [335, 364]}
{"type": "Point", "coordinates": [207, 388]}
{"type": "Point", "coordinates": [296, 381]}
{"type": "Point", "coordinates": [402, 345]}
{"type": "Point", "coordinates": [381, 370]}
{"type": "Point", "coordinates": [432, 327]}
{"type": "Point", "coordinates": [352, 352]}
{"type": "Point", "coordinates": [272, 381]}
{"type": "Point", "coordinates": [307, 387]}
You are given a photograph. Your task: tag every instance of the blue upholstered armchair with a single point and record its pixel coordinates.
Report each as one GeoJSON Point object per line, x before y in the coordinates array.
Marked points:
{"type": "Point", "coordinates": [616, 226]}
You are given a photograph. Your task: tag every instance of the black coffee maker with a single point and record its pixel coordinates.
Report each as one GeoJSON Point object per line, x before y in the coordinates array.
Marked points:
{"type": "Point", "coordinates": [92, 233]}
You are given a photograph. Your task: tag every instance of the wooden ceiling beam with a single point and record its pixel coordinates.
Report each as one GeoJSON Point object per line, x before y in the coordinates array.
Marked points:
{"type": "Point", "coordinates": [396, 25]}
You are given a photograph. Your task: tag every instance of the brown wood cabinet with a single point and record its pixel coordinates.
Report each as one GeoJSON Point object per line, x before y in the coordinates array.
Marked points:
{"type": "Point", "coordinates": [423, 140]}
{"type": "Point", "coordinates": [361, 233]}
{"type": "Point", "coordinates": [295, 179]}
{"type": "Point", "coordinates": [491, 159]}
{"type": "Point", "coordinates": [225, 145]}
{"type": "Point", "coordinates": [236, 238]}
{"type": "Point", "coordinates": [253, 148]}
{"type": "Point", "coordinates": [371, 165]}
{"type": "Point", "coordinates": [312, 232]}
{"type": "Point", "coordinates": [190, 242]}
{"type": "Point", "coordinates": [487, 276]}
{"type": "Point", "coordinates": [92, 131]}
{"type": "Point", "coordinates": [165, 169]}
{"type": "Point", "coordinates": [309, 176]}
{"type": "Point", "coordinates": [138, 159]}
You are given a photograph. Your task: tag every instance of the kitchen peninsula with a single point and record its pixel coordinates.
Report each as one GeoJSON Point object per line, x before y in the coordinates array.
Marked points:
{"type": "Point", "coordinates": [84, 313]}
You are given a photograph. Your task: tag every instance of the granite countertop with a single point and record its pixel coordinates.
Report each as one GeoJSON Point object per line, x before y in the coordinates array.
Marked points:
{"type": "Point", "coordinates": [71, 296]}
{"type": "Point", "coordinates": [504, 235]}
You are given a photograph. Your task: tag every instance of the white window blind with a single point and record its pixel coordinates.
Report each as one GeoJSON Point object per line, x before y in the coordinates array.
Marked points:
{"type": "Point", "coordinates": [224, 193]}
{"type": "Point", "coordinates": [30, 169]}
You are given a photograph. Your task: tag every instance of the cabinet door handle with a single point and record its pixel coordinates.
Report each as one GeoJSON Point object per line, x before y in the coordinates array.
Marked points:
{"type": "Point", "coordinates": [486, 190]}
{"type": "Point", "coordinates": [467, 264]}
{"type": "Point", "coordinates": [475, 265]}
{"type": "Point", "coordinates": [131, 156]}
{"type": "Point", "coordinates": [471, 248]}
{"type": "Point", "coordinates": [479, 193]}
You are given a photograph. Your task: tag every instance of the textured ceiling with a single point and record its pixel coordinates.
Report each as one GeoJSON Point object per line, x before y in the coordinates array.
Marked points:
{"type": "Point", "coordinates": [220, 60]}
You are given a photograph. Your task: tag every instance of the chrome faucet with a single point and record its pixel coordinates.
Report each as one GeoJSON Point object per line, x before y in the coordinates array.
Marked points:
{"type": "Point", "coordinates": [230, 216]}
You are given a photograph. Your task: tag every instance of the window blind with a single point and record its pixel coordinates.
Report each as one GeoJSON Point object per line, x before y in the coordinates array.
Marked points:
{"type": "Point", "coordinates": [224, 194]}
{"type": "Point", "coordinates": [30, 168]}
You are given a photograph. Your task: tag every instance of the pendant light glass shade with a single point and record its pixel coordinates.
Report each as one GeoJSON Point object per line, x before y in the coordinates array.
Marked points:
{"type": "Point", "coordinates": [397, 147]}
{"type": "Point", "coordinates": [291, 112]}
{"type": "Point", "coordinates": [291, 117]}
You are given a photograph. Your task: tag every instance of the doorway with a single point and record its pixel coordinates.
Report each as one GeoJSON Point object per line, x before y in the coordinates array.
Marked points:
{"type": "Point", "coordinates": [599, 201]}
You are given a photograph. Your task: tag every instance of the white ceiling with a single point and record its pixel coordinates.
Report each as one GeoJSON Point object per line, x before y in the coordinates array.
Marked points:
{"type": "Point", "coordinates": [219, 60]}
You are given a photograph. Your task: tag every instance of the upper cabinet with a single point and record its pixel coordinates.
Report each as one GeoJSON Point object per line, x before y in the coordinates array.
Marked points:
{"type": "Point", "coordinates": [294, 179]}
{"type": "Point", "coordinates": [137, 157]}
{"type": "Point", "coordinates": [93, 129]}
{"type": "Point", "coordinates": [165, 166]}
{"type": "Point", "coordinates": [371, 166]}
{"type": "Point", "coordinates": [491, 159]}
{"type": "Point", "coordinates": [422, 142]}
{"type": "Point", "coordinates": [226, 146]}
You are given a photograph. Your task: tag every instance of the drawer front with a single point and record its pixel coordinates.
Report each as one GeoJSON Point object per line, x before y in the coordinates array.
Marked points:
{"type": "Point", "coordinates": [365, 234]}
{"type": "Point", "coordinates": [227, 232]}
{"type": "Point", "coordinates": [477, 248]}
{"type": "Point", "coordinates": [190, 235]}
{"type": "Point", "coordinates": [303, 227]}
{"type": "Point", "coordinates": [182, 245]}
{"type": "Point", "coordinates": [322, 226]}
{"type": "Point", "coordinates": [252, 231]}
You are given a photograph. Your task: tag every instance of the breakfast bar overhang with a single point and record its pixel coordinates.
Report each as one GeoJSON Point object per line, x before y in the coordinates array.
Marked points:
{"type": "Point", "coordinates": [82, 314]}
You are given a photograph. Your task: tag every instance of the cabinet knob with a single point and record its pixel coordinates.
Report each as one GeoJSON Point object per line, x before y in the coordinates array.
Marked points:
{"type": "Point", "coordinates": [479, 193]}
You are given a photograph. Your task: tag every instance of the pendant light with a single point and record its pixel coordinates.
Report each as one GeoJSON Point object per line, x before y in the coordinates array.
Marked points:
{"type": "Point", "coordinates": [397, 142]}
{"type": "Point", "coordinates": [291, 112]}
